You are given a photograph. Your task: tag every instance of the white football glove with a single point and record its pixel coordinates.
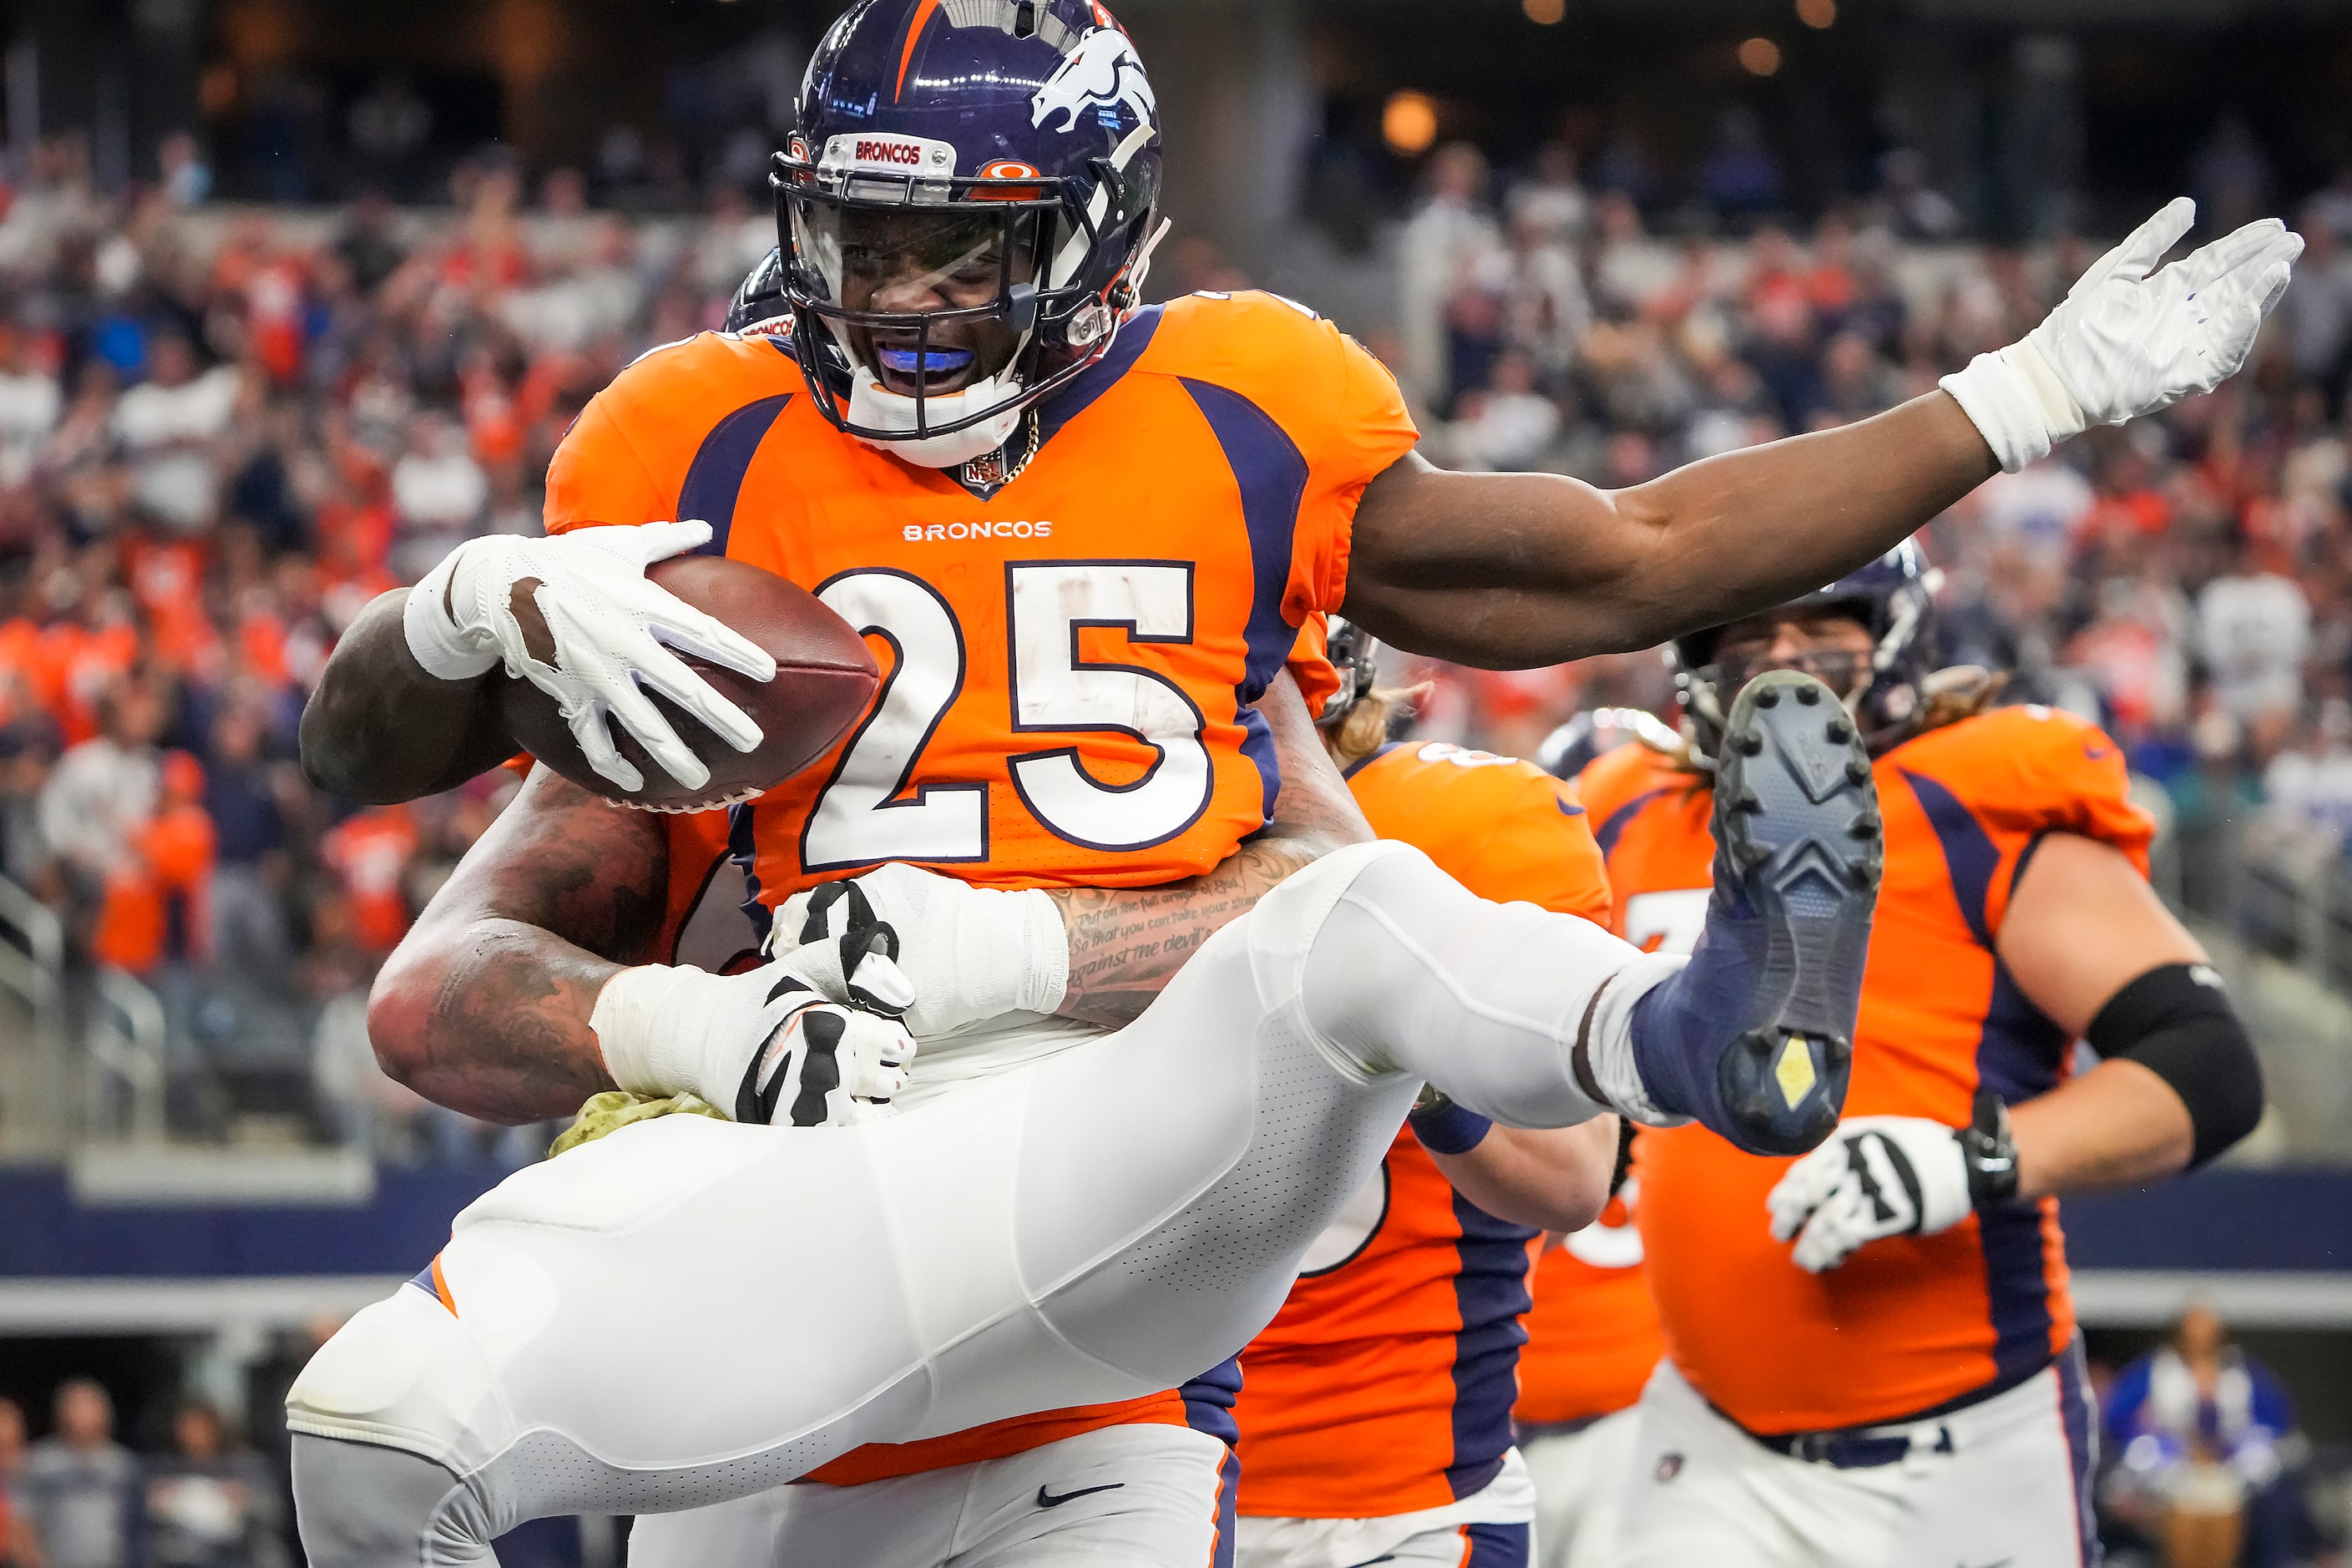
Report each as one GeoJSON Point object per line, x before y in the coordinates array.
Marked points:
{"type": "Point", "coordinates": [1876, 1176]}
{"type": "Point", "coordinates": [766, 1045]}
{"type": "Point", "coordinates": [608, 623]}
{"type": "Point", "coordinates": [969, 953]}
{"type": "Point", "coordinates": [2123, 343]}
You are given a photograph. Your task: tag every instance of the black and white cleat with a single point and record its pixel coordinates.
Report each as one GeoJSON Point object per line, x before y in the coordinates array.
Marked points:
{"type": "Point", "coordinates": [1756, 1039]}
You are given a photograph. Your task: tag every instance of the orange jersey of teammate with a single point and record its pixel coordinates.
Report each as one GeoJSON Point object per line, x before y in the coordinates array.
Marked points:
{"type": "Point", "coordinates": [1909, 1324]}
{"type": "Point", "coordinates": [1068, 660]}
{"type": "Point", "coordinates": [1385, 1385]}
{"type": "Point", "coordinates": [1592, 1339]}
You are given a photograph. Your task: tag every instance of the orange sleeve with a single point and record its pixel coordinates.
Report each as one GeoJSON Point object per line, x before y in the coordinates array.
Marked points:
{"type": "Point", "coordinates": [2046, 771]}
{"type": "Point", "coordinates": [1332, 402]}
{"type": "Point", "coordinates": [597, 475]}
{"type": "Point", "coordinates": [1612, 779]}
{"type": "Point", "coordinates": [1311, 666]}
{"type": "Point", "coordinates": [1364, 430]}
{"type": "Point", "coordinates": [625, 458]}
{"type": "Point", "coordinates": [1540, 850]}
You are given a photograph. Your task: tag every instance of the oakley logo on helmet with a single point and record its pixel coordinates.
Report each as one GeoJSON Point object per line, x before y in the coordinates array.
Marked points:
{"type": "Point", "coordinates": [1103, 69]}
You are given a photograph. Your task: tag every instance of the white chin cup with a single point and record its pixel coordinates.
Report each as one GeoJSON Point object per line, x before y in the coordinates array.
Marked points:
{"type": "Point", "coordinates": [872, 406]}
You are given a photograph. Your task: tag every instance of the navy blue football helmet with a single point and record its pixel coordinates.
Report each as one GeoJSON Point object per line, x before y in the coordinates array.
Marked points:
{"type": "Point", "coordinates": [1595, 732]}
{"type": "Point", "coordinates": [760, 306]}
{"type": "Point", "coordinates": [1893, 597]}
{"type": "Point", "coordinates": [1354, 654]}
{"type": "Point", "coordinates": [997, 161]}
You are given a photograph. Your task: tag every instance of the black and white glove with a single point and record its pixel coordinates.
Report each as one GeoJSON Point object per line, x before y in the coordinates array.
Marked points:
{"type": "Point", "coordinates": [2128, 340]}
{"type": "Point", "coordinates": [608, 625]}
{"type": "Point", "coordinates": [967, 953]}
{"type": "Point", "coordinates": [769, 1046]}
{"type": "Point", "coordinates": [1878, 1176]}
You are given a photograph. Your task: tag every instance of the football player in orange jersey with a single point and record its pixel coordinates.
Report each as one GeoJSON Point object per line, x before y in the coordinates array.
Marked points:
{"type": "Point", "coordinates": [1071, 519]}
{"type": "Point", "coordinates": [1375, 1409]}
{"type": "Point", "coordinates": [1592, 1336]}
{"type": "Point", "coordinates": [1873, 1355]}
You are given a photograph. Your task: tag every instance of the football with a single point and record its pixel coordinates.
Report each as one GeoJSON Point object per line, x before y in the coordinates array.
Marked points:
{"type": "Point", "coordinates": [825, 677]}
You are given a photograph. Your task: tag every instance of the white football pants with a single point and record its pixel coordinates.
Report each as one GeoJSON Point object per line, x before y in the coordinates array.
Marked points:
{"type": "Point", "coordinates": [2006, 1480]}
{"type": "Point", "coordinates": [1581, 1482]}
{"type": "Point", "coordinates": [1124, 1497]}
{"type": "Point", "coordinates": [689, 1310]}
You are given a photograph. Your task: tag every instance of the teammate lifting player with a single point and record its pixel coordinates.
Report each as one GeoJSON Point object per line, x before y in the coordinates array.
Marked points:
{"type": "Point", "coordinates": [968, 203]}
{"type": "Point", "coordinates": [1923, 1400]}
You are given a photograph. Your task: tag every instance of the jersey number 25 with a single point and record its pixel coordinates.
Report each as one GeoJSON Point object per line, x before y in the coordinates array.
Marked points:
{"type": "Point", "coordinates": [860, 819]}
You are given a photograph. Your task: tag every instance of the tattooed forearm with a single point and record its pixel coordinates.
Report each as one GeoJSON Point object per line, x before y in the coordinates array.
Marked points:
{"type": "Point", "coordinates": [1125, 945]}
{"type": "Point", "coordinates": [484, 1007]}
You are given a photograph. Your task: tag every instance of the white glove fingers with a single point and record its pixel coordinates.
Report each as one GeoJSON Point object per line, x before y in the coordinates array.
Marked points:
{"type": "Point", "coordinates": [596, 740]}
{"type": "Point", "coordinates": [1829, 1238]}
{"type": "Point", "coordinates": [682, 625]}
{"type": "Point", "coordinates": [679, 624]}
{"type": "Point", "coordinates": [2136, 257]}
{"type": "Point", "coordinates": [652, 542]}
{"type": "Point", "coordinates": [2208, 263]}
{"type": "Point", "coordinates": [1798, 1194]}
{"type": "Point", "coordinates": [666, 673]}
{"type": "Point", "coordinates": [640, 718]}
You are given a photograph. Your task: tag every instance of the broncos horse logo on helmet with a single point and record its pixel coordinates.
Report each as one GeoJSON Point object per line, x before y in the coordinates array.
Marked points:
{"type": "Point", "coordinates": [1103, 69]}
{"type": "Point", "coordinates": [965, 214]}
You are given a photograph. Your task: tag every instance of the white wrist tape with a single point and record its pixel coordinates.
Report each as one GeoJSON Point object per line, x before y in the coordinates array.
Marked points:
{"type": "Point", "coordinates": [644, 1021]}
{"type": "Point", "coordinates": [2017, 403]}
{"type": "Point", "coordinates": [439, 645]}
{"type": "Point", "coordinates": [1033, 948]}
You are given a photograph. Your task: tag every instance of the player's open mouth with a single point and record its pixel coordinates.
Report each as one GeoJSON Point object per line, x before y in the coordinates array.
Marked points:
{"type": "Point", "coordinates": [933, 370]}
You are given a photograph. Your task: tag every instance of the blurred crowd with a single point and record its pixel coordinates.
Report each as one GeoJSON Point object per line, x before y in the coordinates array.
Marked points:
{"type": "Point", "coordinates": [2186, 581]}
{"type": "Point", "coordinates": [224, 430]}
{"type": "Point", "coordinates": [80, 1499]}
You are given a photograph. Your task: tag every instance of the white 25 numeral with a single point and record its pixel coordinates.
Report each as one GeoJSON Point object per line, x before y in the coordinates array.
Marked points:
{"type": "Point", "coordinates": [859, 819]}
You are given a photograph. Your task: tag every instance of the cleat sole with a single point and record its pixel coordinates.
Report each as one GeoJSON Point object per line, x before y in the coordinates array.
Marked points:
{"type": "Point", "coordinates": [1798, 822]}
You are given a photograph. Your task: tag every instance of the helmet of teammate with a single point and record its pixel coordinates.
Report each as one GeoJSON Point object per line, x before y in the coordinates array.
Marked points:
{"type": "Point", "coordinates": [1353, 652]}
{"type": "Point", "coordinates": [1595, 732]}
{"type": "Point", "coordinates": [760, 306]}
{"type": "Point", "coordinates": [965, 209]}
{"type": "Point", "coordinates": [1893, 597]}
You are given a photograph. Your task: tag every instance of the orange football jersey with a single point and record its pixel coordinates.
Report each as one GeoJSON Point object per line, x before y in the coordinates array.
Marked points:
{"type": "Point", "coordinates": [1593, 1337]}
{"type": "Point", "coordinates": [1908, 1323]}
{"type": "Point", "coordinates": [1067, 660]}
{"type": "Point", "coordinates": [1385, 1383]}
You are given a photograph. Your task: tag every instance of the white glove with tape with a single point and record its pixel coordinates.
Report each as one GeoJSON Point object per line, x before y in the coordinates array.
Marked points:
{"type": "Point", "coordinates": [1876, 1176]}
{"type": "Point", "coordinates": [969, 953]}
{"type": "Point", "coordinates": [2123, 343]}
{"type": "Point", "coordinates": [608, 623]}
{"type": "Point", "coordinates": [767, 1046]}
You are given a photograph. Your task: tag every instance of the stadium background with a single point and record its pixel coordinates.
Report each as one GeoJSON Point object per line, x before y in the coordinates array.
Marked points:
{"type": "Point", "coordinates": [293, 298]}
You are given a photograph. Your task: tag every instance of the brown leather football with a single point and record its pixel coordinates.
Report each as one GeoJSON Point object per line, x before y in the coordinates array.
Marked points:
{"type": "Point", "coordinates": [825, 677]}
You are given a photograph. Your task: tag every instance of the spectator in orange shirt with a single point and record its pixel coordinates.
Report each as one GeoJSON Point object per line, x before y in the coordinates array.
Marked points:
{"type": "Point", "coordinates": [369, 853]}
{"type": "Point", "coordinates": [156, 895]}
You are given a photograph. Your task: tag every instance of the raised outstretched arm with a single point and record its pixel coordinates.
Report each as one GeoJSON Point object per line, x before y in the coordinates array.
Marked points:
{"type": "Point", "coordinates": [1510, 570]}
{"type": "Point", "coordinates": [1505, 570]}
